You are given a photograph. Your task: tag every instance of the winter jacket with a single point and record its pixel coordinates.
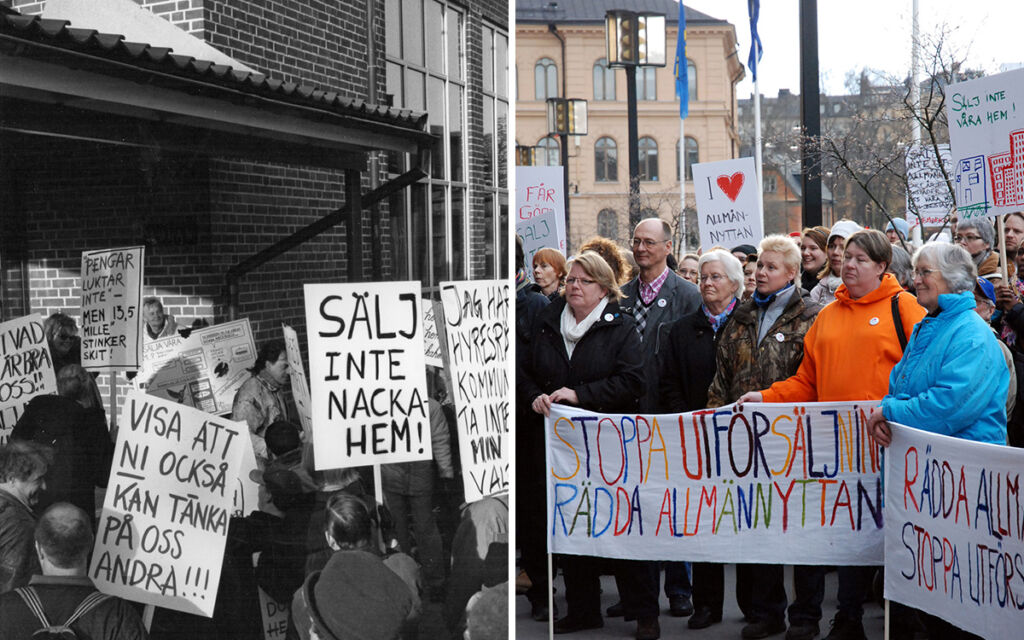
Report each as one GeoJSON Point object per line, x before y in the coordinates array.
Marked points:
{"type": "Point", "coordinates": [688, 363]}
{"type": "Point", "coordinates": [417, 478]}
{"type": "Point", "coordinates": [18, 559]}
{"type": "Point", "coordinates": [606, 369]}
{"type": "Point", "coordinates": [259, 403]}
{"type": "Point", "coordinates": [170, 328]}
{"type": "Point", "coordinates": [743, 365]}
{"type": "Point", "coordinates": [112, 619]}
{"type": "Point", "coordinates": [851, 348]}
{"type": "Point", "coordinates": [825, 291]}
{"type": "Point", "coordinates": [675, 299]}
{"type": "Point", "coordinates": [953, 378]}
{"type": "Point", "coordinates": [82, 449]}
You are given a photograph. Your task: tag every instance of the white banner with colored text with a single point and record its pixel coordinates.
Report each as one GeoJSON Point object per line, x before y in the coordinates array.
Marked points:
{"type": "Point", "coordinates": [954, 542]}
{"type": "Point", "coordinates": [776, 483]}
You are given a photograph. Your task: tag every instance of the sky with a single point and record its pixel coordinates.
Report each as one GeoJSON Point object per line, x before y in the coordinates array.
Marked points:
{"type": "Point", "coordinates": [869, 33]}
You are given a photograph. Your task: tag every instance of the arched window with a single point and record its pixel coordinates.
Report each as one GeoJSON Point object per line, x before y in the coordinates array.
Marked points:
{"type": "Point", "coordinates": [691, 79]}
{"type": "Point", "coordinates": [606, 168]}
{"type": "Point", "coordinates": [648, 156]}
{"type": "Point", "coordinates": [692, 156]}
{"type": "Point", "coordinates": [604, 80]}
{"type": "Point", "coordinates": [547, 152]}
{"type": "Point", "coordinates": [608, 224]}
{"type": "Point", "coordinates": [645, 84]}
{"type": "Point", "coordinates": [545, 79]}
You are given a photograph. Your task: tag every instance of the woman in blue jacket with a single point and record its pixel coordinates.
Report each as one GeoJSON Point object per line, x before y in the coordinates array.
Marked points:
{"type": "Point", "coordinates": [952, 379]}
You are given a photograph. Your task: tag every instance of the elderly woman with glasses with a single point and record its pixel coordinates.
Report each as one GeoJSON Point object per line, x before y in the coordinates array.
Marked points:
{"type": "Point", "coordinates": [585, 352]}
{"type": "Point", "coordinates": [953, 379]}
{"type": "Point", "coordinates": [978, 237]}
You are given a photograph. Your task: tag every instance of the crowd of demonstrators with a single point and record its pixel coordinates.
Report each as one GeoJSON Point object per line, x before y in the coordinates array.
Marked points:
{"type": "Point", "coordinates": [412, 571]}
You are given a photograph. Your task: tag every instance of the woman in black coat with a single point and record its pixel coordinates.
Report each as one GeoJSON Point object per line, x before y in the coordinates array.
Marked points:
{"type": "Point", "coordinates": [585, 352]}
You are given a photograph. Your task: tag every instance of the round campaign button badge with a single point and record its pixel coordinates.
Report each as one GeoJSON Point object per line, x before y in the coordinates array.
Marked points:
{"type": "Point", "coordinates": [608, 317]}
{"type": "Point", "coordinates": [873, 321]}
{"type": "Point", "coordinates": [779, 337]}
{"type": "Point", "coordinates": [662, 302]}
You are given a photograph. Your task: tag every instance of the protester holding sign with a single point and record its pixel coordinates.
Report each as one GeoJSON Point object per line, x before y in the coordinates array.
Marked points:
{"type": "Point", "coordinates": [865, 325]}
{"type": "Point", "coordinates": [260, 401]}
{"type": "Point", "coordinates": [953, 378]}
{"type": "Point", "coordinates": [585, 352]}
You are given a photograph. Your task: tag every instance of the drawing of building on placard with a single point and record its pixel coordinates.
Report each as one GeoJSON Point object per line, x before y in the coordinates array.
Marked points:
{"type": "Point", "coordinates": [1007, 171]}
{"type": "Point", "coordinates": [971, 196]}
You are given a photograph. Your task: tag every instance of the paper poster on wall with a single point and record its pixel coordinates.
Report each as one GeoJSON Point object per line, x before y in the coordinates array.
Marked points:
{"type": "Point", "coordinates": [476, 323]}
{"type": "Point", "coordinates": [540, 210]}
{"type": "Point", "coordinates": [728, 209]}
{"type": "Point", "coordinates": [27, 369]}
{"type": "Point", "coordinates": [112, 309]}
{"type": "Point", "coordinates": [986, 136]}
{"type": "Point", "coordinates": [368, 383]}
{"type": "Point", "coordinates": [203, 370]}
{"type": "Point", "coordinates": [431, 341]}
{"type": "Point", "coordinates": [299, 383]}
{"type": "Point", "coordinates": [164, 525]}
{"type": "Point", "coordinates": [777, 483]}
{"type": "Point", "coordinates": [954, 532]}
{"type": "Point", "coordinates": [926, 187]}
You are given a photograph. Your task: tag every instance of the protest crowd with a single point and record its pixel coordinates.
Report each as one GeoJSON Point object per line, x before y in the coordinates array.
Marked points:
{"type": "Point", "coordinates": [928, 335]}
{"type": "Point", "coordinates": [327, 553]}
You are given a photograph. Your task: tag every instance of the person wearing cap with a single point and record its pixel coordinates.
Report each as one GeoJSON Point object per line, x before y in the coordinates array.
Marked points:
{"type": "Point", "coordinates": [830, 279]}
{"type": "Point", "coordinates": [898, 231]}
{"type": "Point", "coordinates": [985, 306]}
{"type": "Point", "coordinates": [356, 595]}
{"type": "Point", "coordinates": [859, 327]}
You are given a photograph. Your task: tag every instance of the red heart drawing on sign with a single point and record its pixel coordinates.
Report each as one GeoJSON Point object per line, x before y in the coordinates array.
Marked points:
{"type": "Point", "coordinates": [731, 185]}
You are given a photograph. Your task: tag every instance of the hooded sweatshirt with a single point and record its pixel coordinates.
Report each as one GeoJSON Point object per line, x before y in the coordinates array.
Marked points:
{"type": "Point", "coordinates": [851, 348]}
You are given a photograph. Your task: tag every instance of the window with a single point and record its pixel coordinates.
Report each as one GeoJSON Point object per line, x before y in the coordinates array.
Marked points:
{"type": "Point", "coordinates": [691, 79]}
{"type": "Point", "coordinates": [645, 85]}
{"type": "Point", "coordinates": [608, 224]}
{"type": "Point", "coordinates": [647, 155]}
{"type": "Point", "coordinates": [545, 79]}
{"type": "Point", "coordinates": [771, 184]}
{"type": "Point", "coordinates": [604, 80]}
{"type": "Point", "coordinates": [605, 161]}
{"type": "Point", "coordinates": [430, 222]}
{"type": "Point", "coordinates": [547, 154]}
{"type": "Point", "coordinates": [692, 156]}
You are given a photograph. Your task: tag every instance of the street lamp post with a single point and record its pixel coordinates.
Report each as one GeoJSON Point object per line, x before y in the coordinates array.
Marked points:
{"type": "Point", "coordinates": [566, 117]}
{"type": "Point", "coordinates": [634, 40]}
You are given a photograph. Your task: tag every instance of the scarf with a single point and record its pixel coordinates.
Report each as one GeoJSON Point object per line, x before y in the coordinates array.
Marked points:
{"type": "Point", "coordinates": [572, 331]}
{"type": "Point", "coordinates": [717, 321]}
{"type": "Point", "coordinates": [764, 301]}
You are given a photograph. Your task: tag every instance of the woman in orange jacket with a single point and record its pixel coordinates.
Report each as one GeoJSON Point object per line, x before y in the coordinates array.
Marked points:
{"type": "Point", "coordinates": [849, 352]}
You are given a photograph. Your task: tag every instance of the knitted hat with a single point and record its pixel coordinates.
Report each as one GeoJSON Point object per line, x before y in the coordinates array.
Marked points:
{"type": "Point", "coordinates": [900, 225]}
{"type": "Point", "coordinates": [844, 229]}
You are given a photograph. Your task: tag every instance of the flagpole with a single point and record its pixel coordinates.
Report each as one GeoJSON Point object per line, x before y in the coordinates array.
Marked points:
{"type": "Point", "coordinates": [682, 183]}
{"type": "Point", "coordinates": [757, 151]}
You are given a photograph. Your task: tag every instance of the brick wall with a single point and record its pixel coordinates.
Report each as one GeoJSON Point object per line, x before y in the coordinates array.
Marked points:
{"type": "Point", "coordinates": [186, 14]}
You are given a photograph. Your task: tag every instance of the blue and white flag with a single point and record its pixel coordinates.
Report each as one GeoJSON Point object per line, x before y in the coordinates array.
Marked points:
{"type": "Point", "coordinates": [682, 77]}
{"type": "Point", "coordinates": [756, 50]}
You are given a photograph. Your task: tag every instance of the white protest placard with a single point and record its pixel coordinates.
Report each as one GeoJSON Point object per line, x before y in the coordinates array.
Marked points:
{"type": "Point", "coordinates": [777, 483]}
{"type": "Point", "coordinates": [728, 209]}
{"type": "Point", "coordinates": [431, 341]}
{"type": "Point", "coordinates": [275, 616]}
{"type": "Point", "coordinates": [111, 309]}
{"type": "Point", "coordinates": [540, 210]}
{"type": "Point", "coordinates": [927, 191]}
{"type": "Point", "coordinates": [986, 136]}
{"type": "Point", "coordinates": [27, 369]}
{"type": "Point", "coordinates": [164, 525]}
{"type": "Point", "coordinates": [203, 370]}
{"type": "Point", "coordinates": [476, 323]}
{"type": "Point", "coordinates": [245, 492]}
{"type": "Point", "coordinates": [954, 534]}
{"type": "Point", "coordinates": [300, 385]}
{"type": "Point", "coordinates": [368, 380]}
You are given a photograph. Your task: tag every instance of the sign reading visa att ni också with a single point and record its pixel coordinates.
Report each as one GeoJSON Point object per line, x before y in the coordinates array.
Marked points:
{"type": "Point", "coordinates": [954, 536]}
{"type": "Point", "coordinates": [986, 135]}
{"type": "Point", "coordinates": [728, 207]}
{"type": "Point", "coordinates": [779, 483]}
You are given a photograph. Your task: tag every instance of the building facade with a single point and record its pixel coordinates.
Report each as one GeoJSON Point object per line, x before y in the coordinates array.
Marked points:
{"type": "Point", "coordinates": [560, 51]}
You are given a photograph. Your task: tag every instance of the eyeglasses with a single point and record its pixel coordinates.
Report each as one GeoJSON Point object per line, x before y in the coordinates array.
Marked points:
{"type": "Point", "coordinates": [647, 242]}
{"type": "Point", "coordinates": [959, 238]}
{"type": "Point", "coordinates": [714, 277]}
{"type": "Point", "coordinates": [582, 281]}
{"type": "Point", "coordinates": [921, 274]}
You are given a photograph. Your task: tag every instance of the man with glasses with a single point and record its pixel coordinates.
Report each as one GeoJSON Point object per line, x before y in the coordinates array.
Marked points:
{"type": "Point", "coordinates": [656, 298]}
